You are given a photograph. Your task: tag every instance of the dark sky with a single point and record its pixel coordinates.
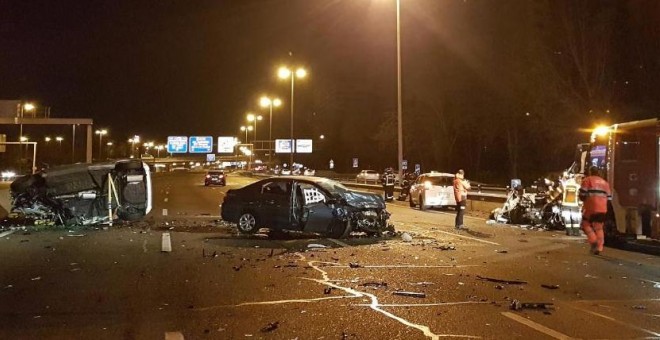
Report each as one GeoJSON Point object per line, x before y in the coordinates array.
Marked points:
{"type": "Point", "coordinates": [163, 68]}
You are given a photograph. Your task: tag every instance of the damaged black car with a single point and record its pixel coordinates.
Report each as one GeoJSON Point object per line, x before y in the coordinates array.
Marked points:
{"type": "Point", "coordinates": [84, 194]}
{"type": "Point", "coordinates": [308, 204]}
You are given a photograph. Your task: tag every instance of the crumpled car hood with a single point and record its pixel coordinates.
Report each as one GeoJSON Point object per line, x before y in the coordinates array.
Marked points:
{"type": "Point", "coordinates": [364, 200]}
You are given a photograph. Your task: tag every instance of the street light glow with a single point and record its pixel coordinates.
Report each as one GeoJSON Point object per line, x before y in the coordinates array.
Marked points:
{"type": "Point", "coordinates": [301, 73]}
{"type": "Point", "coordinates": [101, 132]}
{"type": "Point", "coordinates": [277, 102]}
{"type": "Point", "coordinates": [47, 139]}
{"type": "Point", "coordinates": [250, 117]}
{"type": "Point", "coordinates": [59, 139]}
{"type": "Point", "coordinates": [265, 102]}
{"type": "Point", "coordinates": [283, 72]}
{"type": "Point", "coordinates": [24, 138]}
{"type": "Point", "coordinates": [28, 107]}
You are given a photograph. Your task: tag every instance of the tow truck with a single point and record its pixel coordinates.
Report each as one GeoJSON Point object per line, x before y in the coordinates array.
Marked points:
{"type": "Point", "coordinates": [628, 154]}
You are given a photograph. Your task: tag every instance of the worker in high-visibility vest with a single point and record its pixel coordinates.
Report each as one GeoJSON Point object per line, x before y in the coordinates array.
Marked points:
{"type": "Point", "coordinates": [594, 192]}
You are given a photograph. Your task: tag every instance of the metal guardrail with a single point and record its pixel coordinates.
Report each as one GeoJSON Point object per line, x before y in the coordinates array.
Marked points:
{"type": "Point", "coordinates": [486, 193]}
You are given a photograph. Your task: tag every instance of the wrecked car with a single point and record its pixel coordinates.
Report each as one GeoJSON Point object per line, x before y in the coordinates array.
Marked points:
{"type": "Point", "coordinates": [84, 194]}
{"type": "Point", "coordinates": [308, 204]}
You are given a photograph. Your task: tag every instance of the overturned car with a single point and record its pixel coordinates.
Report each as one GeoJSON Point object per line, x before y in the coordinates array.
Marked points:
{"type": "Point", "coordinates": [308, 204]}
{"type": "Point", "coordinates": [84, 194]}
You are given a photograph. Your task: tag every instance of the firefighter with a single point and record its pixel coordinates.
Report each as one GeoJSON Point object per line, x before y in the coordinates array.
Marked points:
{"type": "Point", "coordinates": [387, 180]}
{"type": "Point", "coordinates": [594, 192]}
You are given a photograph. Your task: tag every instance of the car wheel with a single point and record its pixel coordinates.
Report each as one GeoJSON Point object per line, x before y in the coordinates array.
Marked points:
{"type": "Point", "coordinates": [411, 202]}
{"type": "Point", "coordinates": [421, 203]}
{"type": "Point", "coordinates": [247, 223]}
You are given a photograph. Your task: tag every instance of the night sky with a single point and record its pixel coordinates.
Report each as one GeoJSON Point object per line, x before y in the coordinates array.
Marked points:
{"type": "Point", "coordinates": [483, 81]}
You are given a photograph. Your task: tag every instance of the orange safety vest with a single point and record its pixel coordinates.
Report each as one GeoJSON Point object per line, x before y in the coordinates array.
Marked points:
{"type": "Point", "coordinates": [595, 192]}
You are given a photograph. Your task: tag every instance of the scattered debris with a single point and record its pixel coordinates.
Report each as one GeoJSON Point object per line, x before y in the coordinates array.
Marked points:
{"type": "Point", "coordinates": [523, 240]}
{"type": "Point", "coordinates": [237, 268]}
{"type": "Point", "coordinates": [75, 235]}
{"type": "Point", "coordinates": [590, 276]}
{"type": "Point", "coordinates": [510, 282]}
{"type": "Point", "coordinates": [638, 307]}
{"type": "Point", "coordinates": [550, 286]}
{"type": "Point", "coordinates": [500, 287]}
{"type": "Point", "coordinates": [446, 247]}
{"type": "Point", "coordinates": [354, 265]}
{"type": "Point", "coordinates": [36, 278]}
{"type": "Point", "coordinates": [374, 284]}
{"type": "Point", "coordinates": [271, 327]}
{"type": "Point", "coordinates": [406, 237]}
{"type": "Point", "coordinates": [316, 245]}
{"type": "Point", "coordinates": [327, 290]}
{"type": "Point", "coordinates": [517, 305]}
{"type": "Point", "coordinates": [502, 251]}
{"type": "Point", "coordinates": [424, 283]}
{"type": "Point", "coordinates": [410, 294]}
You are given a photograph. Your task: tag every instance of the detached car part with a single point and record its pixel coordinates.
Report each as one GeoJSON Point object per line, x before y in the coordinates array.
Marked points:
{"type": "Point", "coordinates": [84, 194]}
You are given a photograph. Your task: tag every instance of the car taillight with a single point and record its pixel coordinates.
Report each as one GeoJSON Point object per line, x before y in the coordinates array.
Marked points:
{"type": "Point", "coordinates": [208, 176]}
{"type": "Point", "coordinates": [427, 185]}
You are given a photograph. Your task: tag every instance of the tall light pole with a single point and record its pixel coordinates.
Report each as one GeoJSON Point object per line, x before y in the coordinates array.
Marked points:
{"type": "Point", "coordinates": [268, 102]}
{"type": "Point", "coordinates": [284, 73]}
{"type": "Point", "coordinates": [246, 129]}
{"type": "Point", "coordinates": [399, 119]}
{"type": "Point", "coordinates": [101, 133]}
{"type": "Point", "coordinates": [254, 118]}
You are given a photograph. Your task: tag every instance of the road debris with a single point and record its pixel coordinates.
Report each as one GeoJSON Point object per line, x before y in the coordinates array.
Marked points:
{"type": "Point", "coordinates": [517, 305]}
{"type": "Point", "coordinates": [638, 307]}
{"type": "Point", "coordinates": [510, 282]}
{"type": "Point", "coordinates": [316, 245]}
{"type": "Point", "coordinates": [374, 284]}
{"type": "Point", "coordinates": [550, 286]}
{"type": "Point", "coordinates": [446, 247]}
{"type": "Point", "coordinates": [406, 237]}
{"type": "Point", "coordinates": [237, 268]}
{"type": "Point", "coordinates": [270, 327]}
{"type": "Point", "coordinates": [500, 287]}
{"type": "Point", "coordinates": [327, 290]}
{"type": "Point", "coordinates": [424, 283]}
{"type": "Point", "coordinates": [502, 251]}
{"type": "Point", "coordinates": [354, 265]}
{"type": "Point", "coordinates": [410, 294]}
{"type": "Point", "coordinates": [36, 278]}
{"type": "Point", "coordinates": [75, 235]}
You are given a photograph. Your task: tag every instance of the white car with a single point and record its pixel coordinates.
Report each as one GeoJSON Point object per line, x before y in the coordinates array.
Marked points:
{"type": "Point", "coordinates": [367, 176]}
{"type": "Point", "coordinates": [310, 172]}
{"type": "Point", "coordinates": [433, 189]}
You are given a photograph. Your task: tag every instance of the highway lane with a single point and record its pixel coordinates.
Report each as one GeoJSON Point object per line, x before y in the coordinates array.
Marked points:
{"type": "Point", "coordinates": [215, 284]}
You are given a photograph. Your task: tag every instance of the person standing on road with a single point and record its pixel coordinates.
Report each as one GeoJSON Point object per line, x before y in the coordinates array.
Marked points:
{"type": "Point", "coordinates": [461, 187]}
{"type": "Point", "coordinates": [594, 192]}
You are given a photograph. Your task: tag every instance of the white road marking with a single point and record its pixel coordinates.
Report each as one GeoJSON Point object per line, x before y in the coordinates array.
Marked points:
{"type": "Point", "coordinates": [653, 333]}
{"type": "Point", "coordinates": [164, 212]}
{"type": "Point", "coordinates": [466, 237]}
{"type": "Point", "coordinates": [165, 200]}
{"type": "Point", "coordinates": [144, 246]}
{"type": "Point", "coordinates": [166, 243]}
{"type": "Point", "coordinates": [7, 233]}
{"type": "Point", "coordinates": [430, 304]}
{"type": "Point", "coordinates": [340, 243]}
{"type": "Point", "coordinates": [536, 326]}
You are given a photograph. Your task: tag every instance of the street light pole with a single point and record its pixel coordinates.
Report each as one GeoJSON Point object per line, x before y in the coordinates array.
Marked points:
{"type": "Point", "coordinates": [101, 133]}
{"type": "Point", "coordinates": [285, 73]}
{"type": "Point", "coordinates": [266, 101]}
{"type": "Point", "coordinates": [398, 78]}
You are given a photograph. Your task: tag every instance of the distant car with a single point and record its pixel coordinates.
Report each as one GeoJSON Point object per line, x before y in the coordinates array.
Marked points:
{"type": "Point", "coordinates": [367, 176]}
{"type": "Point", "coordinates": [309, 172]}
{"type": "Point", "coordinates": [285, 172]}
{"type": "Point", "coordinates": [433, 189]}
{"type": "Point", "coordinates": [215, 177]}
{"type": "Point", "coordinates": [8, 175]}
{"type": "Point", "coordinates": [309, 204]}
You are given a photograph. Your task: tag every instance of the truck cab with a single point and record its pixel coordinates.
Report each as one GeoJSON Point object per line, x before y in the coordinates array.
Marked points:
{"type": "Point", "coordinates": [628, 155]}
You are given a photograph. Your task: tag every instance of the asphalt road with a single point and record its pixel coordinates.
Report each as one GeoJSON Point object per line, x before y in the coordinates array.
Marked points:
{"type": "Point", "coordinates": [215, 284]}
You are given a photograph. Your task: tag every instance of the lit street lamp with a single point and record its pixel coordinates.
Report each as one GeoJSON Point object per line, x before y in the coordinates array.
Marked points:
{"type": "Point", "coordinates": [253, 118]}
{"type": "Point", "coordinates": [47, 139]}
{"type": "Point", "coordinates": [246, 129]}
{"type": "Point", "coordinates": [133, 141]}
{"type": "Point", "coordinates": [267, 102]}
{"type": "Point", "coordinates": [101, 133]}
{"type": "Point", "coordinates": [59, 143]}
{"type": "Point", "coordinates": [285, 73]}
{"type": "Point", "coordinates": [158, 148]}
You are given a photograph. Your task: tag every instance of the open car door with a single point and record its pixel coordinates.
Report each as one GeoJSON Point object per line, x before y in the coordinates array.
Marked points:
{"type": "Point", "coordinates": [316, 215]}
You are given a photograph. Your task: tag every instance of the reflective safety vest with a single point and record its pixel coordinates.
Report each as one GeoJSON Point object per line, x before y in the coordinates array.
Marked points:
{"type": "Point", "coordinates": [595, 192]}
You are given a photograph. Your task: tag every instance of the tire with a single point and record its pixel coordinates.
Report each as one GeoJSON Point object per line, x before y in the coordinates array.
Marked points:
{"type": "Point", "coordinates": [422, 207]}
{"type": "Point", "coordinates": [411, 202]}
{"type": "Point", "coordinates": [248, 223]}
